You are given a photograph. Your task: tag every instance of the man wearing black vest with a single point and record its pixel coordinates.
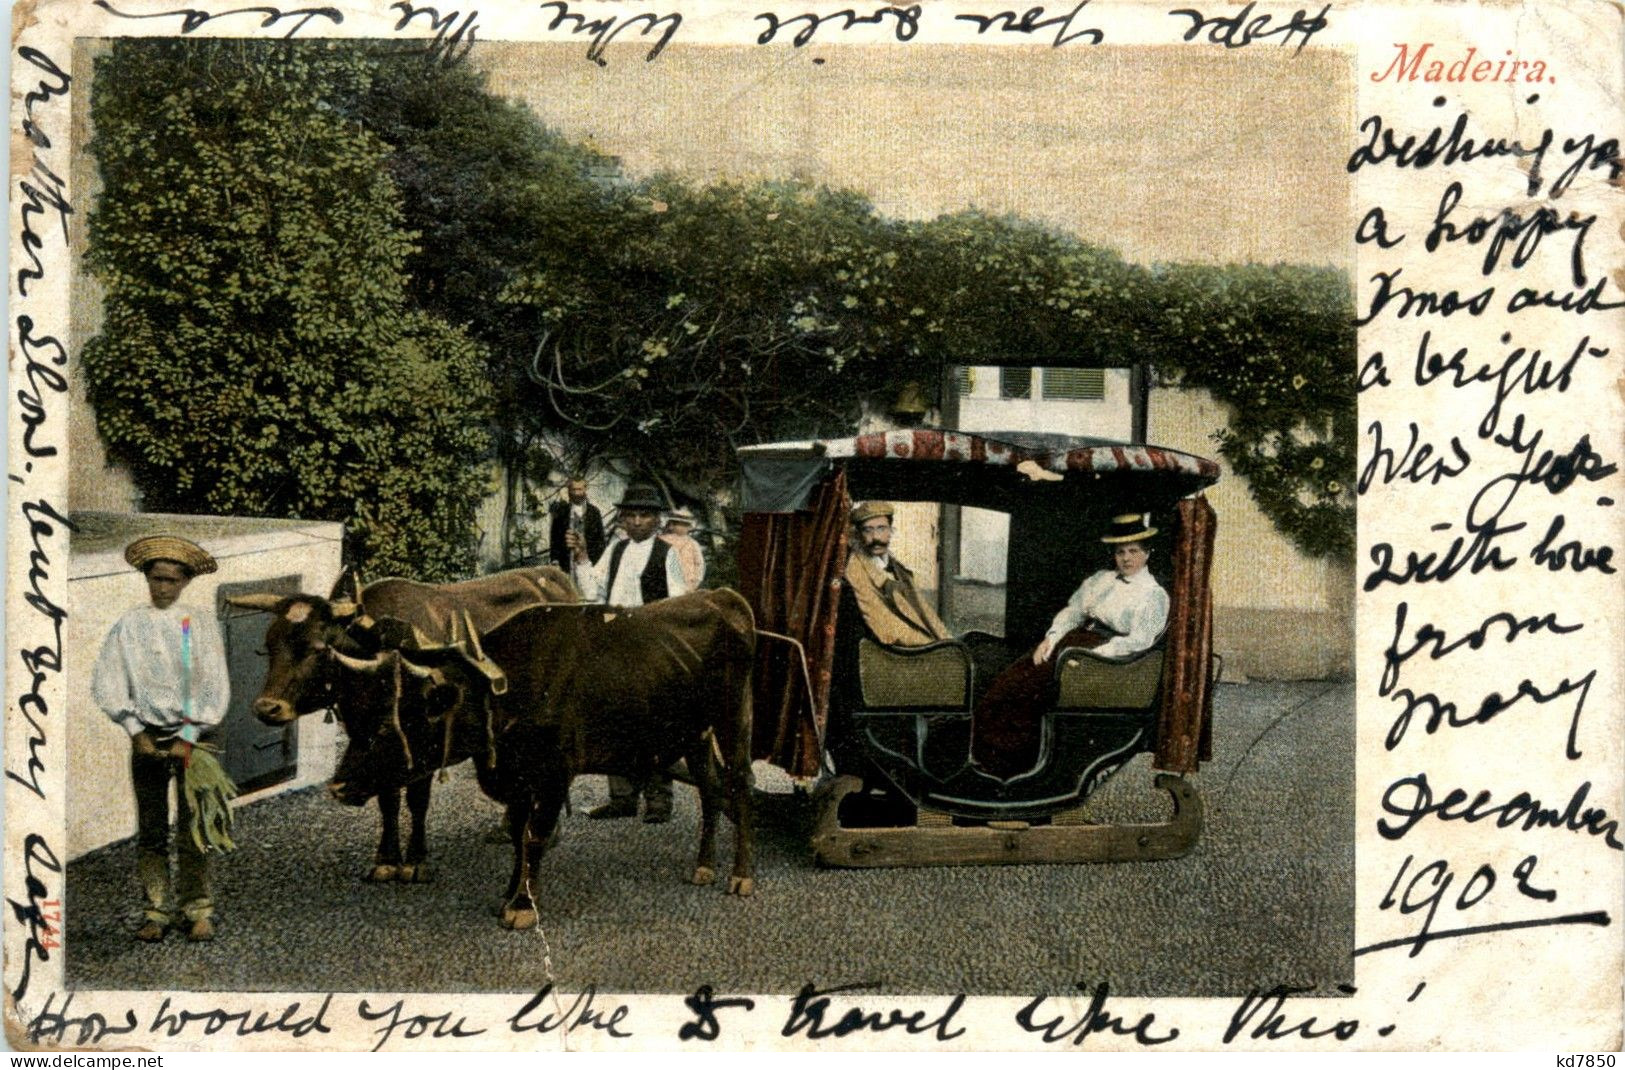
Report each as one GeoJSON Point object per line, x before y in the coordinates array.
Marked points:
{"type": "Point", "coordinates": [632, 572]}
{"type": "Point", "coordinates": [575, 514]}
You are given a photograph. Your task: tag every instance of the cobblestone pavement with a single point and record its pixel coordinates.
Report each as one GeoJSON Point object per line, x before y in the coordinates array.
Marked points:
{"type": "Point", "coordinates": [1265, 898]}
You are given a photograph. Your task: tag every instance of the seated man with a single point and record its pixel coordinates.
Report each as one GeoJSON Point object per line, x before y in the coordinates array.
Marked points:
{"type": "Point", "coordinates": [884, 587]}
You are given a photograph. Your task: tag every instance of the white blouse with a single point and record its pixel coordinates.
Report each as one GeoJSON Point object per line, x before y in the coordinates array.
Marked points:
{"type": "Point", "coordinates": [1137, 610]}
{"type": "Point", "coordinates": [140, 680]}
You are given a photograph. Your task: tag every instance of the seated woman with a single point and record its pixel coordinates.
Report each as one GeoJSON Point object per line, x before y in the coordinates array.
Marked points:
{"type": "Point", "coordinates": [1117, 612]}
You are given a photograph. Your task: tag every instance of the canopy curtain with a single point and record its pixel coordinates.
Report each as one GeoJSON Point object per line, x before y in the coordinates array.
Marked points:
{"type": "Point", "coordinates": [1184, 727]}
{"type": "Point", "coordinates": [790, 568]}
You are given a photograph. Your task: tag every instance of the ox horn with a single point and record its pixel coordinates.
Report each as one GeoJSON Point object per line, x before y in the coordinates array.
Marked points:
{"type": "Point", "coordinates": [375, 664]}
{"type": "Point", "coordinates": [416, 670]}
{"type": "Point", "coordinates": [473, 636]}
{"type": "Point", "coordinates": [263, 602]}
{"type": "Point", "coordinates": [356, 664]}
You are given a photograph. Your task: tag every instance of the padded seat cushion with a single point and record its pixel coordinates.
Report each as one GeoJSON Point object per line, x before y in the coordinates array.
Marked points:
{"type": "Point", "coordinates": [1088, 682]}
{"type": "Point", "coordinates": [934, 677]}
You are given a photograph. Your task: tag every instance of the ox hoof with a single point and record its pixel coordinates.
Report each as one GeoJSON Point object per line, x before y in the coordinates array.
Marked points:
{"type": "Point", "coordinates": [518, 920]}
{"type": "Point", "coordinates": [381, 874]}
{"type": "Point", "coordinates": [703, 875]}
{"type": "Point", "coordinates": [418, 874]}
{"type": "Point", "coordinates": [741, 886]}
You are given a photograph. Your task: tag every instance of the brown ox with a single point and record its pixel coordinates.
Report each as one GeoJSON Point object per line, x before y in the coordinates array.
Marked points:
{"type": "Point", "coordinates": [321, 653]}
{"type": "Point", "coordinates": [590, 689]}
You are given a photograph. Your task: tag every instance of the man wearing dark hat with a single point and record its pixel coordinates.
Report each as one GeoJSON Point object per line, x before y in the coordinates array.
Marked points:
{"type": "Point", "coordinates": [1116, 612]}
{"type": "Point", "coordinates": [634, 571]}
{"type": "Point", "coordinates": [161, 676]}
{"type": "Point", "coordinates": [891, 606]}
{"type": "Point", "coordinates": [575, 514]}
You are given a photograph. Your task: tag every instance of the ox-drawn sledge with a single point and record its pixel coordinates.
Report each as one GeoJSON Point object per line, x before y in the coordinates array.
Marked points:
{"type": "Point", "coordinates": [889, 727]}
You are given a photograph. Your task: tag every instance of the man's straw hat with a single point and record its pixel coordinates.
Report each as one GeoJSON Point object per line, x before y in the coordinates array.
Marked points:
{"type": "Point", "coordinates": [143, 552]}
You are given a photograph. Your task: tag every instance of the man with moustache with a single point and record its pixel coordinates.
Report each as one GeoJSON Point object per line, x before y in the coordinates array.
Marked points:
{"type": "Point", "coordinates": [576, 514]}
{"type": "Point", "coordinates": [884, 586]}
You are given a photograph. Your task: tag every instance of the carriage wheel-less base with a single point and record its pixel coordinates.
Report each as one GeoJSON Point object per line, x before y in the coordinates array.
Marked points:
{"type": "Point", "coordinates": [1006, 842]}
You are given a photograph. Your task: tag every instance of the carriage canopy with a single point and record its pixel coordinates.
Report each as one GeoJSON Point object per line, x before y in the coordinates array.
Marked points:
{"type": "Point", "coordinates": [1058, 491]}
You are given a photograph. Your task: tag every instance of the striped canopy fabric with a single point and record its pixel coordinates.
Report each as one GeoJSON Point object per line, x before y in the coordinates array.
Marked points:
{"type": "Point", "coordinates": [782, 473]}
{"type": "Point", "coordinates": [1052, 452]}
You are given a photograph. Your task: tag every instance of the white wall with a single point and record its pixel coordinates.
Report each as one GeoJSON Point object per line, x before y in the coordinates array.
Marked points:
{"type": "Point", "coordinates": [1111, 417]}
{"type": "Point", "coordinates": [1277, 614]}
{"type": "Point", "coordinates": [984, 534]}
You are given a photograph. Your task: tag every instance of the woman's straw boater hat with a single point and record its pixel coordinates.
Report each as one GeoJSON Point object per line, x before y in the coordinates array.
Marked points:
{"type": "Point", "coordinates": [864, 512]}
{"type": "Point", "coordinates": [143, 552]}
{"type": "Point", "coordinates": [681, 515]}
{"type": "Point", "coordinates": [1130, 527]}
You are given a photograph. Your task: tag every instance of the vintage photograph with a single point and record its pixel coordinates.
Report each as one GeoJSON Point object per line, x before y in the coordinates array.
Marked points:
{"type": "Point", "coordinates": [860, 516]}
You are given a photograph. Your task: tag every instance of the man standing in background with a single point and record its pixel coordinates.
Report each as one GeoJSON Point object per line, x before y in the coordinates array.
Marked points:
{"type": "Point", "coordinates": [576, 514]}
{"type": "Point", "coordinates": [679, 534]}
{"type": "Point", "coordinates": [634, 572]}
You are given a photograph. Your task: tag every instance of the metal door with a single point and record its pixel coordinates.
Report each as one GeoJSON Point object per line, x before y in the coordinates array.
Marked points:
{"type": "Point", "coordinates": [256, 755]}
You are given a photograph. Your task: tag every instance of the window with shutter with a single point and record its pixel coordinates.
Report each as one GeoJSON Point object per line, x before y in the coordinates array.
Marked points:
{"type": "Point", "coordinates": [1074, 384]}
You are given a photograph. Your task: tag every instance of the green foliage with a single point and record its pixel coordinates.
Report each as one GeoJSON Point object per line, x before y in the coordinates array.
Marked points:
{"type": "Point", "coordinates": [490, 193]}
{"type": "Point", "coordinates": [209, 790]}
{"type": "Point", "coordinates": [259, 355]}
{"type": "Point", "coordinates": [1276, 345]}
{"type": "Point", "coordinates": [717, 316]}
{"type": "Point", "coordinates": [289, 232]}
{"type": "Point", "coordinates": [710, 317]}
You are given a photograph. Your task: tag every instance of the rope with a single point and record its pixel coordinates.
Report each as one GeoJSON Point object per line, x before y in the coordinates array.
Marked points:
{"type": "Point", "coordinates": [716, 749]}
{"type": "Point", "coordinates": [547, 948]}
{"type": "Point", "coordinates": [806, 677]}
{"type": "Point", "coordinates": [445, 747]}
{"type": "Point", "coordinates": [490, 733]}
{"type": "Point", "coordinates": [395, 713]}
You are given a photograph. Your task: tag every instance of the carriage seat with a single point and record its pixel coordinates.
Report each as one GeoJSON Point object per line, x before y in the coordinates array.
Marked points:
{"type": "Point", "coordinates": [1090, 682]}
{"type": "Point", "coordinates": [936, 677]}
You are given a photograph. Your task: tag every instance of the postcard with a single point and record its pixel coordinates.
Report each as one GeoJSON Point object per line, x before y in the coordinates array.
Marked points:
{"type": "Point", "coordinates": [709, 526]}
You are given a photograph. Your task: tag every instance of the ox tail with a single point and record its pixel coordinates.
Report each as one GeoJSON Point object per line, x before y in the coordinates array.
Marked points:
{"type": "Point", "coordinates": [806, 678]}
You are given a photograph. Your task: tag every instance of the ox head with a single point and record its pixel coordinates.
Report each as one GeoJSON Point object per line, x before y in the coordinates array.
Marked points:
{"type": "Point", "coordinates": [307, 636]}
{"type": "Point", "coordinates": [393, 696]}
{"type": "Point", "coordinates": [399, 715]}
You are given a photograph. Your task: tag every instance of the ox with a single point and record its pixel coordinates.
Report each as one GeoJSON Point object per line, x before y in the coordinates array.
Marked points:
{"type": "Point", "coordinates": [590, 689]}
{"type": "Point", "coordinates": [319, 647]}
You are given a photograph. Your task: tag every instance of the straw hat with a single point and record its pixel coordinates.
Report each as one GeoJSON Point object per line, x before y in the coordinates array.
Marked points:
{"type": "Point", "coordinates": [681, 515]}
{"type": "Point", "coordinates": [1130, 527]}
{"type": "Point", "coordinates": [143, 552]}
{"type": "Point", "coordinates": [864, 512]}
